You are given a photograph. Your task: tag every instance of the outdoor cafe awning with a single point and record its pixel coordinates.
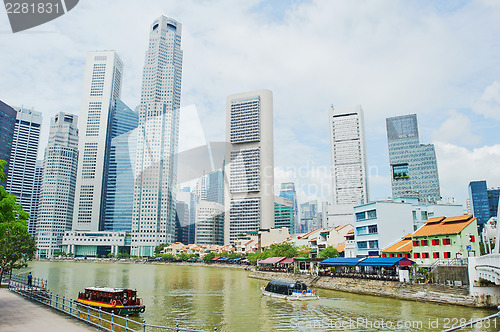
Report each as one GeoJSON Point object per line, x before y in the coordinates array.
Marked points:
{"type": "Point", "coordinates": [272, 260]}
{"type": "Point", "coordinates": [341, 261]}
{"type": "Point", "coordinates": [386, 261]}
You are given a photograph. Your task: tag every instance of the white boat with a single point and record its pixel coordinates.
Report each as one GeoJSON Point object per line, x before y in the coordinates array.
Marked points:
{"type": "Point", "coordinates": [290, 290]}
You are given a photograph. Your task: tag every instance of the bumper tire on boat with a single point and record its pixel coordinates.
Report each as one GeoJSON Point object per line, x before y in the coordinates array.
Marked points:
{"type": "Point", "coordinates": [142, 309]}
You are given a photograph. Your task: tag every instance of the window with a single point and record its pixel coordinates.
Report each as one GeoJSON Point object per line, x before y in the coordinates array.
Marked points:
{"type": "Point", "coordinates": [472, 238]}
{"type": "Point", "coordinates": [425, 255]}
{"type": "Point", "coordinates": [435, 242]}
{"type": "Point", "coordinates": [447, 254]}
{"type": "Point", "coordinates": [416, 243]}
{"type": "Point", "coordinates": [407, 255]}
{"type": "Point", "coordinates": [424, 243]}
{"type": "Point", "coordinates": [423, 215]}
{"type": "Point", "coordinates": [372, 229]}
{"type": "Point", "coordinates": [416, 255]}
{"type": "Point", "coordinates": [360, 216]}
{"type": "Point", "coordinates": [372, 214]}
{"type": "Point", "coordinates": [446, 242]}
{"type": "Point", "coordinates": [435, 255]}
{"type": "Point", "coordinates": [400, 171]}
{"type": "Point", "coordinates": [384, 255]}
{"type": "Point", "coordinates": [362, 245]}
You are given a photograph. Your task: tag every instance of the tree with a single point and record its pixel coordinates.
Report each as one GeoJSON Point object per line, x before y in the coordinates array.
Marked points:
{"type": "Point", "coordinates": [17, 246]}
{"type": "Point", "coordinates": [328, 252]}
{"type": "Point", "coordinates": [159, 248]}
{"type": "Point", "coordinates": [208, 257]}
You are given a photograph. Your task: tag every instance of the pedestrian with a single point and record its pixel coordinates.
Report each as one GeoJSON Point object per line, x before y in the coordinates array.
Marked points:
{"type": "Point", "coordinates": [30, 279]}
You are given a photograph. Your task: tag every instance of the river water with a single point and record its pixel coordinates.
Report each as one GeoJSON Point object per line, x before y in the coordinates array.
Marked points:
{"type": "Point", "coordinates": [200, 297]}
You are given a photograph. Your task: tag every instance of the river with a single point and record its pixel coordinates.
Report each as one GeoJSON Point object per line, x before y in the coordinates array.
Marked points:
{"type": "Point", "coordinates": [200, 297]}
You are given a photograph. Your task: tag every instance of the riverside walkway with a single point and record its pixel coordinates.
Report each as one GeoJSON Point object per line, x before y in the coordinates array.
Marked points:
{"type": "Point", "coordinates": [20, 314]}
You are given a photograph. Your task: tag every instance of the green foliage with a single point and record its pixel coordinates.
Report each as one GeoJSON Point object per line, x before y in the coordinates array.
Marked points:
{"type": "Point", "coordinates": [208, 257]}
{"type": "Point", "coordinates": [328, 252]}
{"type": "Point", "coordinates": [167, 256]}
{"type": "Point", "coordinates": [159, 248]}
{"type": "Point", "coordinates": [111, 255]}
{"type": "Point", "coordinates": [184, 256]}
{"type": "Point", "coordinates": [122, 255]}
{"type": "Point", "coordinates": [17, 246]}
{"type": "Point", "coordinates": [276, 250]}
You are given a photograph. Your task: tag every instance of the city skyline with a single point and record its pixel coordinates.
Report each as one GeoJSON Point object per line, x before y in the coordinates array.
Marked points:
{"type": "Point", "coordinates": [419, 76]}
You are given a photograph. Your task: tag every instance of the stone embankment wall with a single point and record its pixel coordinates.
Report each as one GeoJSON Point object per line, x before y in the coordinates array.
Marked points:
{"type": "Point", "coordinates": [450, 275]}
{"type": "Point", "coordinates": [403, 291]}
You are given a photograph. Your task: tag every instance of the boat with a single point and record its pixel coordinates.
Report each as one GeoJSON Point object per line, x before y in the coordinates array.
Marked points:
{"type": "Point", "coordinates": [118, 301]}
{"type": "Point", "coordinates": [290, 290]}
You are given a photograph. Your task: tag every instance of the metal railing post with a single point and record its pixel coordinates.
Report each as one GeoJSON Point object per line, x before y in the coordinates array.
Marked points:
{"type": "Point", "coordinates": [112, 319]}
{"type": "Point", "coordinates": [126, 323]}
{"type": "Point", "coordinates": [70, 305]}
{"type": "Point", "coordinates": [63, 304]}
{"type": "Point", "coordinates": [57, 298]}
{"type": "Point", "coordinates": [143, 325]}
{"type": "Point", "coordinates": [100, 310]}
{"type": "Point", "coordinates": [88, 314]}
{"type": "Point", "coordinates": [79, 311]}
{"type": "Point", "coordinates": [215, 329]}
{"type": "Point", "coordinates": [50, 299]}
{"type": "Point", "coordinates": [177, 327]}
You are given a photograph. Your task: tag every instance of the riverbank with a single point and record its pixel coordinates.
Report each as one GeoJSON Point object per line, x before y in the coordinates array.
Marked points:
{"type": "Point", "coordinates": [403, 291]}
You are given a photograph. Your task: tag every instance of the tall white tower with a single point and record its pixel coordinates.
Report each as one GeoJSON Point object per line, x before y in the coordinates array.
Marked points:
{"type": "Point", "coordinates": [101, 86]}
{"type": "Point", "coordinates": [249, 169]}
{"type": "Point", "coordinates": [153, 216]}
{"type": "Point", "coordinates": [349, 170]}
{"type": "Point", "coordinates": [57, 195]}
{"type": "Point", "coordinates": [21, 166]}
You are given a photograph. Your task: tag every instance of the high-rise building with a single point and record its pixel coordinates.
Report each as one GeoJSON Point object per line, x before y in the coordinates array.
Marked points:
{"type": "Point", "coordinates": [249, 168]}
{"type": "Point", "coordinates": [483, 201]}
{"type": "Point", "coordinates": [21, 174]}
{"type": "Point", "coordinates": [493, 200]}
{"type": "Point", "coordinates": [284, 213]}
{"type": "Point", "coordinates": [215, 187]}
{"type": "Point", "coordinates": [153, 217]}
{"type": "Point", "coordinates": [60, 164]}
{"type": "Point", "coordinates": [35, 197]}
{"type": "Point", "coordinates": [349, 164]}
{"type": "Point", "coordinates": [101, 87]}
{"type": "Point", "coordinates": [120, 180]}
{"type": "Point", "coordinates": [186, 216]}
{"type": "Point", "coordinates": [209, 223]}
{"type": "Point", "coordinates": [288, 191]}
{"type": "Point", "coordinates": [414, 171]}
{"type": "Point", "coordinates": [7, 125]}
{"type": "Point", "coordinates": [309, 220]}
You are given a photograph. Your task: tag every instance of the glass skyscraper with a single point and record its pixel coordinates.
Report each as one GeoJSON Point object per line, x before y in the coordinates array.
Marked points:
{"type": "Point", "coordinates": [153, 217]}
{"type": "Point", "coordinates": [7, 125]}
{"type": "Point", "coordinates": [414, 171]}
{"type": "Point", "coordinates": [35, 198]}
{"type": "Point", "coordinates": [288, 191]}
{"type": "Point", "coordinates": [484, 201]}
{"type": "Point", "coordinates": [120, 179]}
{"type": "Point", "coordinates": [284, 213]}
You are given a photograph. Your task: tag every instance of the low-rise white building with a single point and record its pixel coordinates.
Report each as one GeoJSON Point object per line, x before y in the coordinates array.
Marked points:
{"type": "Point", "coordinates": [95, 244]}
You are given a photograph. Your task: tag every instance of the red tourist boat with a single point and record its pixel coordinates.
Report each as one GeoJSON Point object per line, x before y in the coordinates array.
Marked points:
{"type": "Point", "coordinates": [118, 301]}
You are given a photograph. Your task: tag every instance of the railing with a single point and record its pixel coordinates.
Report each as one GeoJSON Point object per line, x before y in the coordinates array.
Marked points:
{"type": "Point", "coordinates": [92, 316]}
{"type": "Point", "coordinates": [448, 262]}
{"type": "Point", "coordinates": [497, 315]}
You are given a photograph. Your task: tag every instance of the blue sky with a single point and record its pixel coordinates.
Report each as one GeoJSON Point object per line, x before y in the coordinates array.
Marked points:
{"type": "Point", "coordinates": [438, 59]}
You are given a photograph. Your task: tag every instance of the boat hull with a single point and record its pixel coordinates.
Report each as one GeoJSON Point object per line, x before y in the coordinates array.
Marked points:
{"type": "Point", "coordinates": [293, 297]}
{"type": "Point", "coordinates": [116, 309]}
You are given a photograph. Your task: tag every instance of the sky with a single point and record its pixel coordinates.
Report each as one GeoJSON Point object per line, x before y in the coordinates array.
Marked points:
{"type": "Point", "coordinates": [437, 59]}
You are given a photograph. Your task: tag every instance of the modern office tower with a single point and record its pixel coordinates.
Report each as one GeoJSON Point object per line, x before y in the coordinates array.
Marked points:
{"type": "Point", "coordinates": [215, 186]}
{"type": "Point", "coordinates": [7, 126]}
{"type": "Point", "coordinates": [201, 188]}
{"type": "Point", "coordinates": [284, 213]}
{"type": "Point", "coordinates": [60, 164]}
{"type": "Point", "coordinates": [153, 220]}
{"type": "Point", "coordinates": [413, 165]}
{"type": "Point", "coordinates": [484, 201]}
{"type": "Point", "coordinates": [209, 223]}
{"type": "Point", "coordinates": [35, 197]}
{"type": "Point", "coordinates": [288, 191]}
{"type": "Point", "coordinates": [121, 170]}
{"type": "Point", "coordinates": [23, 154]}
{"type": "Point", "coordinates": [249, 168]}
{"type": "Point", "coordinates": [309, 216]}
{"type": "Point", "coordinates": [349, 170]}
{"type": "Point", "coordinates": [101, 87]}
{"type": "Point", "coordinates": [186, 216]}
{"type": "Point", "coordinates": [493, 200]}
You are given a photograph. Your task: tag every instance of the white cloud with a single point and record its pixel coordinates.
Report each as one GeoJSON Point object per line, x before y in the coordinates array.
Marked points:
{"type": "Point", "coordinates": [489, 102]}
{"type": "Point", "coordinates": [458, 129]}
{"type": "Point", "coordinates": [458, 166]}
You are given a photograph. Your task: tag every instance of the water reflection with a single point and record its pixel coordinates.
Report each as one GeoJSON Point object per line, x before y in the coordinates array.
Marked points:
{"type": "Point", "coordinates": [207, 297]}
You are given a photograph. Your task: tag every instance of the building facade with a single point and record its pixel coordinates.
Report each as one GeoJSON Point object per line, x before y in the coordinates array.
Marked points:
{"type": "Point", "coordinates": [35, 198]}
{"type": "Point", "coordinates": [288, 191]}
{"type": "Point", "coordinates": [309, 218]}
{"type": "Point", "coordinates": [349, 164]}
{"type": "Point", "coordinates": [153, 216]}
{"type": "Point", "coordinates": [101, 87]}
{"type": "Point", "coordinates": [23, 155]}
{"type": "Point", "coordinates": [284, 213]}
{"type": "Point", "coordinates": [7, 127]}
{"type": "Point", "coordinates": [95, 244]}
{"type": "Point", "coordinates": [478, 196]}
{"type": "Point", "coordinates": [57, 197]}
{"type": "Point", "coordinates": [414, 171]}
{"type": "Point", "coordinates": [249, 168]}
{"type": "Point", "coordinates": [209, 223]}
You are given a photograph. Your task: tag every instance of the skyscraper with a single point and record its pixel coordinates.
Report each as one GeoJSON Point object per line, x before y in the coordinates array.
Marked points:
{"type": "Point", "coordinates": [284, 213]}
{"type": "Point", "coordinates": [23, 154]}
{"type": "Point", "coordinates": [35, 197]}
{"type": "Point", "coordinates": [413, 165]}
{"type": "Point", "coordinates": [484, 201]}
{"type": "Point", "coordinates": [215, 187]}
{"type": "Point", "coordinates": [7, 126]}
{"type": "Point", "coordinates": [309, 219]}
{"type": "Point", "coordinates": [153, 219]}
{"type": "Point", "coordinates": [57, 195]}
{"type": "Point", "coordinates": [101, 87]}
{"type": "Point", "coordinates": [348, 153]}
{"type": "Point", "coordinates": [209, 223]}
{"type": "Point", "coordinates": [120, 179]}
{"type": "Point", "coordinates": [249, 169]}
{"type": "Point", "coordinates": [288, 191]}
